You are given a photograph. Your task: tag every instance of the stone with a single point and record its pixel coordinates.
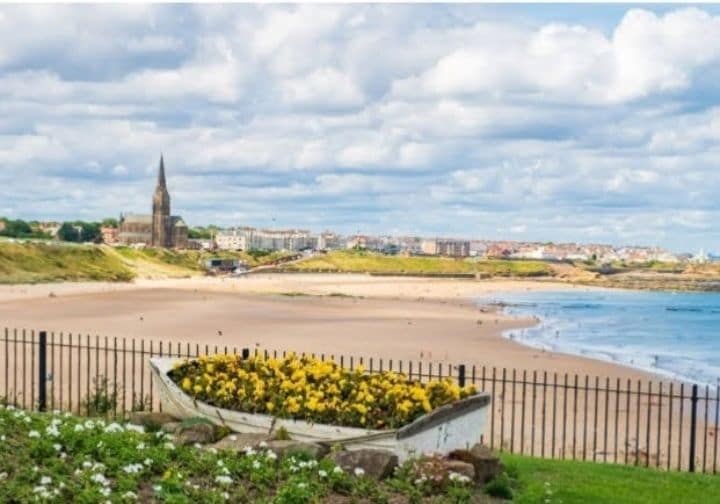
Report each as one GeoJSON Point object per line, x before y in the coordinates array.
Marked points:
{"type": "Point", "coordinates": [486, 463]}
{"type": "Point", "coordinates": [196, 432]}
{"type": "Point", "coordinates": [438, 469]}
{"type": "Point", "coordinates": [150, 418]}
{"type": "Point", "coordinates": [170, 427]}
{"type": "Point", "coordinates": [239, 441]}
{"type": "Point", "coordinates": [377, 464]}
{"type": "Point", "coordinates": [283, 448]}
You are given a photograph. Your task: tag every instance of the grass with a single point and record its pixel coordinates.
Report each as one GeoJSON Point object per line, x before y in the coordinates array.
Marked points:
{"type": "Point", "coordinates": [555, 481]}
{"type": "Point", "coordinates": [359, 261]}
{"type": "Point", "coordinates": [31, 261]}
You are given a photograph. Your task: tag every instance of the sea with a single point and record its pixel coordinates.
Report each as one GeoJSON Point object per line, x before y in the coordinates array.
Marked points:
{"type": "Point", "coordinates": [666, 333]}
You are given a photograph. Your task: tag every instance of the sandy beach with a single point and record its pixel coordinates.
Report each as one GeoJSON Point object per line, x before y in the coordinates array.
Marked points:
{"type": "Point", "coordinates": [598, 413]}
{"type": "Point", "coordinates": [424, 319]}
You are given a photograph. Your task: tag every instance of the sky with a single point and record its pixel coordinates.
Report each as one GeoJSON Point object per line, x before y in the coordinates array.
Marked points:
{"type": "Point", "coordinates": [582, 123]}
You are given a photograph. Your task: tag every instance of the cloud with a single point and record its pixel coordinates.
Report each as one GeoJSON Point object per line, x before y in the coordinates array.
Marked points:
{"type": "Point", "coordinates": [424, 119]}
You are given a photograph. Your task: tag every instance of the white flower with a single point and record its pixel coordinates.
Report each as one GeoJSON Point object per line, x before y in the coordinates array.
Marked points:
{"type": "Point", "coordinates": [256, 464]}
{"type": "Point", "coordinates": [337, 470]}
{"type": "Point", "coordinates": [459, 478]}
{"type": "Point", "coordinates": [2, 438]}
{"type": "Point", "coordinates": [302, 485]}
{"type": "Point", "coordinates": [249, 451]}
{"type": "Point", "coordinates": [223, 480]}
{"type": "Point", "coordinates": [33, 434]}
{"type": "Point", "coordinates": [212, 450]}
{"type": "Point", "coordinates": [169, 446]}
{"type": "Point", "coordinates": [135, 428]}
{"type": "Point", "coordinates": [45, 480]}
{"type": "Point", "coordinates": [140, 446]}
{"type": "Point", "coordinates": [262, 444]}
{"type": "Point", "coordinates": [359, 471]}
{"type": "Point", "coordinates": [52, 431]}
{"type": "Point", "coordinates": [100, 479]}
{"type": "Point", "coordinates": [197, 446]}
{"type": "Point", "coordinates": [271, 455]}
{"type": "Point", "coordinates": [87, 465]}
{"type": "Point", "coordinates": [57, 446]}
{"type": "Point", "coordinates": [220, 463]}
{"type": "Point", "coordinates": [225, 495]}
{"type": "Point", "coordinates": [157, 488]}
{"type": "Point", "coordinates": [322, 474]}
{"type": "Point", "coordinates": [79, 428]}
{"type": "Point", "coordinates": [114, 427]}
{"type": "Point", "coordinates": [148, 462]}
{"type": "Point", "coordinates": [133, 468]}
{"type": "Point", "coordinates": [3, 476]}
{"type": "Point", "coordinates": [105, 491]}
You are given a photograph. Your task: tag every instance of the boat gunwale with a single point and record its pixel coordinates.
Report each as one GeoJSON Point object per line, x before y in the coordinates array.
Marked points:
{"type": "Point", "coordinates": [446, 413]}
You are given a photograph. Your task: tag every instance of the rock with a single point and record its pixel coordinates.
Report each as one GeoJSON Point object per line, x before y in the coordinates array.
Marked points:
{"type": "Point", "coordinates": [152, 419]}
{"type": "Point", "coordinates": [440, 470]}
{"type": "Point", "coordinates": [377, 464]}
{"type": "Point", "coordinates": [170, 427]}
{"type": "Point", "coordinates": [283, 448]}
{"type": "Point", "coordinates": [487, 465]}
{"type": "Point", "coordinates": [196, 432]}
{"type": "Point", "coordinates": [459, 467]}
{"type": "Point", "coordinates": [240, 441]}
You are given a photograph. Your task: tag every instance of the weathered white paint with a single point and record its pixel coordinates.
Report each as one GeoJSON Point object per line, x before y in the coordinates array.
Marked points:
{"type": "Point", "coordinates": [455, 433]}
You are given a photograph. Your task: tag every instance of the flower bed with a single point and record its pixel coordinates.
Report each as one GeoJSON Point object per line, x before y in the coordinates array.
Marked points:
{"type": "Point", "coordinates": [57, 458]}
{"type": "Point", "coordinates": [313, 390]}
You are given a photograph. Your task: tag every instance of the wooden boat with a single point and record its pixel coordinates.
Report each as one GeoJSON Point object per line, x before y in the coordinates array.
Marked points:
{"type": "Point", "coordinates": [454, 426]}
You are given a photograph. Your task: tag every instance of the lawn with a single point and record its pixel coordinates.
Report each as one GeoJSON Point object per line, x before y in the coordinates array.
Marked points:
{"type": "Point", "coordinates": [360, 261]}
{"type": "Point", "coordinates": [556, 481]}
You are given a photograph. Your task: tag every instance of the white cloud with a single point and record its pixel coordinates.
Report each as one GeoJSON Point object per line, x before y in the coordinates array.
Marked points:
{"type": "Point", "coordinates": [423, 118]}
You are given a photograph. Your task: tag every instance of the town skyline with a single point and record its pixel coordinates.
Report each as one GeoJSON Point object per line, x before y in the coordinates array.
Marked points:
{"type": "Point", "coordinates": [589, 123]}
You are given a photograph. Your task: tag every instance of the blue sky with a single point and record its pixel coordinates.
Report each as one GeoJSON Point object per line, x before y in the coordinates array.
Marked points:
{"type": "Point", "coordinates": [594, 123]}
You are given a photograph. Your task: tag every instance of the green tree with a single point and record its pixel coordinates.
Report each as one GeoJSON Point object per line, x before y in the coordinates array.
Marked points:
{"type": "Point", "coordinates": [69, 232]}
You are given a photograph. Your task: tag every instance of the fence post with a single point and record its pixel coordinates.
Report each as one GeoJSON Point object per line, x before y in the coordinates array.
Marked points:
{"type": "Point", "coordinates": [693, 426]}
{"type": "Point", "coordinates": [245, 353]}
{"type": "Point", "coordinates": [42, 371]}
{"type": "Point", "coordinates": [461, 375]}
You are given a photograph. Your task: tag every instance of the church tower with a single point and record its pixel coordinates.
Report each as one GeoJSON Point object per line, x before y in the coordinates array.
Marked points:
{"type": "Point", "coordinates": [161, 236]}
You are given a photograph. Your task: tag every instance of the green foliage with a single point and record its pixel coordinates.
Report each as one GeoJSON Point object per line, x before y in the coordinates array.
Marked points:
{"type": "Point", "coordinates": [362, 261]}
{"type": "Point", "coordinates": [80, 232]}
{"type": "Point", "coordinates": [21, 229]}
{"type": "Point", "coordinates": [500, 487]}
{"type": "Point", "coordinates": [109, 222]}
{"type": "Point", "coordinates": [103, 398]}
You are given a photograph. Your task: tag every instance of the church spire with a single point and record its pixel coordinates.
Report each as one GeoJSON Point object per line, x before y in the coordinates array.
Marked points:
{"type": "Point", "coordinates": [161, 173]}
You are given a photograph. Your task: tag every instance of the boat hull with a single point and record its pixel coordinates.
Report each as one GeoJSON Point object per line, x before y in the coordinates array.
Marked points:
{"type": "Point", "coordinates": [454, 426]}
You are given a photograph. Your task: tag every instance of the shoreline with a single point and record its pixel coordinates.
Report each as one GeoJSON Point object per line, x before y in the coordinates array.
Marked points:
{"type": "Point", "coordinates": [431, 320]}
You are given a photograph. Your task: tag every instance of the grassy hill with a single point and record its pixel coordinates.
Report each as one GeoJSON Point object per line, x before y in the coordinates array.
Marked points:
{"type": "Point", "coordinates": [361, 261]}
{"type": "Point", "coordinates": [34, 262]}
{"type": "Point", "coordinates": [31, 262]}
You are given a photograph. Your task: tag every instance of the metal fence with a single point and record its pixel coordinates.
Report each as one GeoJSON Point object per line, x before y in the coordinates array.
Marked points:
{"type": "Point", "coordinates": [668, 425]}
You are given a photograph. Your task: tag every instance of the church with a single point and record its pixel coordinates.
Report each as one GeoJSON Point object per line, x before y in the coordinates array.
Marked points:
{"type": "Point", "coordinates": [159, 229]}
